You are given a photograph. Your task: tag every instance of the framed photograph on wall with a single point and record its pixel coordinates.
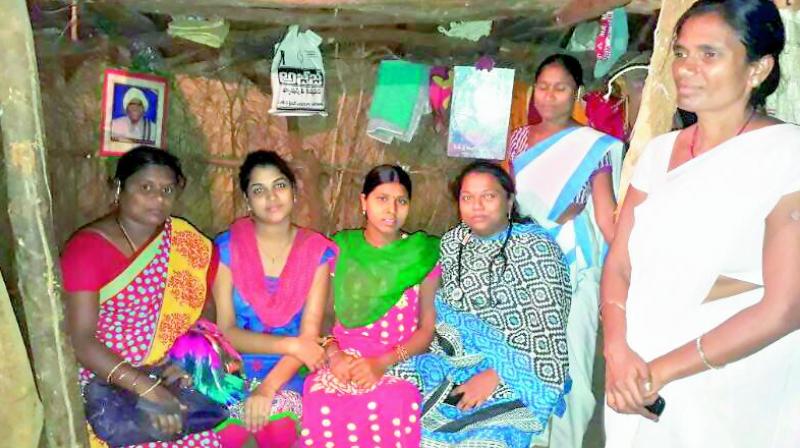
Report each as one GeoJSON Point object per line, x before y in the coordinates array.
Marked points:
{"type": "Point", "coordinates": [134, 111]}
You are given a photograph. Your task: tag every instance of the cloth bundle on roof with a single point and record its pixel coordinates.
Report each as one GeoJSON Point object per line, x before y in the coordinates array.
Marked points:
{"type": "Point", "coordinates": [607, 115]}
{"type": "Point", "coordinates": [399, 101]}
{"type": "Point", "coordinates": [583, 37]}
{"type": "Point", "coordinates": [612, 41]}
{"type": "Point", "coordinates": [211, 32]}
{"type": "Point", "coordinates": [473, 31]}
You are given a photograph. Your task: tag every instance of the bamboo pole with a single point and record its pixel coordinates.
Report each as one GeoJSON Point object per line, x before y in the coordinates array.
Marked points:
{"type": "Point", "coordinates": [29, 204]}
{"type": "Point", "coordinates": [658, 98]}
{"type": "Point", "coordinates": [18, 400]}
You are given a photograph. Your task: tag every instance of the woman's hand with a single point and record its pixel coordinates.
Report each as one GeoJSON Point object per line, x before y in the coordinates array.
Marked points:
{"type": "Point", "coordinates": [341, 364]}
{"type": "Point", "coordinates": [308, 352]}
{"type": "Point", "coordinates": [658, 379]}
{"type": "Point", "coordinates": [258, 408]}
{"type": "Point", "coordinates": [627, 376]}
{"type": "Point", "coordinates": [169, 420]}
{"type": "Point", "coordinates": [366, 372]}
{"type": "Point", "coordinates": [476, 390]}
{"type": "Point", "coordinates": [174, 374]}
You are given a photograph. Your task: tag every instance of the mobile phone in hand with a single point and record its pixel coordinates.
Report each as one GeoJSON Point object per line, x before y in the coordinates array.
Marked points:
{"type": "Point", "coordinates": [453, 399]}
{"type": "Point", "coordinates": [657, 407]}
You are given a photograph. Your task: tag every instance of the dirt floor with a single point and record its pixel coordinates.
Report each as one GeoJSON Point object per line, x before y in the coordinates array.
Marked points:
{"type": "Point", "coordinates": [594, 437]}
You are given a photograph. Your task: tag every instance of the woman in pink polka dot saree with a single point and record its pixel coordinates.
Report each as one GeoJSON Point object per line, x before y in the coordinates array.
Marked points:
{"type": "Point", "coordinates": [136, 280]}
{"type": "Point", "coordinates": [384, 284]}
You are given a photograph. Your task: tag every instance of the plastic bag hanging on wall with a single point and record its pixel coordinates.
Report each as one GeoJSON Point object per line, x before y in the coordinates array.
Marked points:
{"type": "Point", "coordinates": [298, 76]}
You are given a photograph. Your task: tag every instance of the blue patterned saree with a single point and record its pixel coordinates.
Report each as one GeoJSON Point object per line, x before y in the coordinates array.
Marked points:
{"type": "Point", "coordinates": [503, 305]}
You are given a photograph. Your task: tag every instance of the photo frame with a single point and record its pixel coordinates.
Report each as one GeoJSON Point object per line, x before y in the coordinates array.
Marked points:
{"type": "Point", "coordinates": [133, 111]}
{"type": "Point", "coordinates": [480, 112]}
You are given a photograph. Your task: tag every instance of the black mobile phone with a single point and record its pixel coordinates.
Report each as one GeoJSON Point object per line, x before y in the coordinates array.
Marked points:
{"type": "Point", "coordinates": [657, 407]}
{"type": "Point", "coordinates": [453, 399]}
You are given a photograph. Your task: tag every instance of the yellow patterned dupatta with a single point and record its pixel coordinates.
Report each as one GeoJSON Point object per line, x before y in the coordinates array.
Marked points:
{"type": "Point", "coordinates": [158, 296]}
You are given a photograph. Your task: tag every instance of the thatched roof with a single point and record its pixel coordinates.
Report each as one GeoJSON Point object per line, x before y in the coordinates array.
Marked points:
{"type": "Point", "coordinates": [522, 31]}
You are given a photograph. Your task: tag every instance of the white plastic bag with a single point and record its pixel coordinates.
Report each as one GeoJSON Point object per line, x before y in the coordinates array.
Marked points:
{"type": "Point", "coordinates": [298, 76]}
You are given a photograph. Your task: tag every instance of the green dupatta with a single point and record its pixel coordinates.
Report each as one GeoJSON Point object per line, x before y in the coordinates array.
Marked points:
{"type": "Point", "coordinates": [370, 280]}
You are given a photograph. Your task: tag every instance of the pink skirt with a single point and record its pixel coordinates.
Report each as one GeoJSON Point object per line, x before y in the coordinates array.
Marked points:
{"type": "Point", "coordinates": [336, 415]}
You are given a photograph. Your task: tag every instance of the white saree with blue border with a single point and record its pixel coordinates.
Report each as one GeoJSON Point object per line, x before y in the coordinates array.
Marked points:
{"type": "Point", "coordinates": [549, 177]}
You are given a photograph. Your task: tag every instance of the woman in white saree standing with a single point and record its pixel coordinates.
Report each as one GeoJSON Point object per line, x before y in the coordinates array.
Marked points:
{"type": "Point", "coordinates": [566, 176]}
{"type": "Point", "coordinates": [700, 292]}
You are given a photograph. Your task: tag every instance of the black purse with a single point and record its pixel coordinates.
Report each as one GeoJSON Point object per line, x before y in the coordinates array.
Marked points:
{"type": "Point", "coordinates": [120, 417]}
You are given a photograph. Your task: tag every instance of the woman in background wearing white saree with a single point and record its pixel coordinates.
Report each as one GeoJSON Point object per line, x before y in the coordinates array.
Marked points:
{"type": "Point", "coordinates": [700, 292]}
{"type": "Point", "coordinates": [566, 176]}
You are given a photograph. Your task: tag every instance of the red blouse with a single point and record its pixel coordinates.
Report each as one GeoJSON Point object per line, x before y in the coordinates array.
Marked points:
{"type": "Point", "coordinates": [90, 261]}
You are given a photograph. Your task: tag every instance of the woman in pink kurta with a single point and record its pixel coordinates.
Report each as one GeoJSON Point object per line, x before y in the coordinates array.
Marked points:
{"type": "Point", "coordinates": [384, 284]}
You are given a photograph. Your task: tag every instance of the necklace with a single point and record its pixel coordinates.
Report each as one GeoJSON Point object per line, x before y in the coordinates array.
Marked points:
{"type": "Point", "coordinates": [282, 251]}
{"type": "Point", "coordinates": [696, 127]}
{"type": "Point", "coordinates": [125, 234]}
{"type": "Point", "coordinates": [278, 255]}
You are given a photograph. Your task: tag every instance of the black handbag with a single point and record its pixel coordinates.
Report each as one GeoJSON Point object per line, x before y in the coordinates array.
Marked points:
{"type": "Point", "coordinates": [120, 417]}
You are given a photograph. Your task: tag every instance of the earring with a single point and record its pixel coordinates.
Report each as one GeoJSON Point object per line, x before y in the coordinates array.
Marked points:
{"type": "Point", "coordinates": [116, 193]}
{"type": "Point", "coordinates": [364, 212]}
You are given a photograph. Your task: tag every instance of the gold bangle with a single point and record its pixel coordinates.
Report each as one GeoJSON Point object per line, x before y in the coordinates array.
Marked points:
{"type": "Point", "coordinates": [698, 344]}
{"type": "Point", "coordinates": [114, 369]}
{"type": "Point", "coordinates": [327, 340]}
{"type": "Point", "coordinates": [139, 376]}
{"type": "Point", "coordinates": [150, 389]}
{"type": "Point", "coordinates": [122, 375]}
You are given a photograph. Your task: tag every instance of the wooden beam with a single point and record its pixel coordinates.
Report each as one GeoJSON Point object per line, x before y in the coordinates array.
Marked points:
{"type": "Point", "coordinates": [383, 5]}
{"type": "Point", "coordinates": [369, 12]}
{"type": "Point", "coordinates": [29, 207]}
{"type": "Point", "coordinates": [576, 11]}
{"type": "Point", "coordinates": [271, 16]}
{"type": "Point", "coordinates": [370, 35]}
{"type": "Point", "coordinates": [19, 402]}
{"type": "Point", "coordinates": [658, 98]}
{"type": "Point", "coordinates": [126, 21]}
{"type": "Point", "coordinates": [414, 45]}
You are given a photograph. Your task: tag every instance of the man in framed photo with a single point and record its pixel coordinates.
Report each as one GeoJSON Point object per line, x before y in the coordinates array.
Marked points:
{"type": "Point", "coordinates": [134, 126]}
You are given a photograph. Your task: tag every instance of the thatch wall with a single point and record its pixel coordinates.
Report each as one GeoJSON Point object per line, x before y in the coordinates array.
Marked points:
{"type": "Point", "coordinates": [214, 121]}
{"type": "Point", "coordinates": [218, 112]}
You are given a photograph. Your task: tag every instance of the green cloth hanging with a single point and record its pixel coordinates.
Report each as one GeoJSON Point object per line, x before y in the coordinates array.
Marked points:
{"type": "Point", "coordinates": [399, 101]}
